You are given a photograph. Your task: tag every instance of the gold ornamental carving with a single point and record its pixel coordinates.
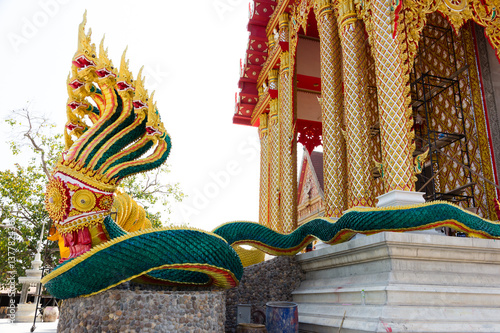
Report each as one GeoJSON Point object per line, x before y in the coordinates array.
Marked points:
{"type": "Point", "coordinates": [274, 167]}
{"type": "Point", "coordinates": [264, 171]}
{"type": "Point", "coordinates": [357, 134]}
{"type": "Point", "coordinates": [347, 13]}
{"type": "Point", "coordinates": [393, 93]}
{"type": "Point", "coordinates": [288, 145]}
{"type": "Point", "coordinates": [334, 158]}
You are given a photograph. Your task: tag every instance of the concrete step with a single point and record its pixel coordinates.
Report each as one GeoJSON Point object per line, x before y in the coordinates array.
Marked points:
{"type": "Point", "coordinates": [318, 318]}
{"type": "Point", "coordinates": [401, 294]}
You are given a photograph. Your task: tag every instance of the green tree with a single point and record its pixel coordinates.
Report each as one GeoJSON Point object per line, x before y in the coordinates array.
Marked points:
{"type": "Point", "coordinates": [36, 150]}
{"type": "Point", "coordinates": [22, 209]}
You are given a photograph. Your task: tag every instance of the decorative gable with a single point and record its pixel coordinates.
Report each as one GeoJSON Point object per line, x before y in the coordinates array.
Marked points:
{"type": "Point", "coordinates": [310, 191]}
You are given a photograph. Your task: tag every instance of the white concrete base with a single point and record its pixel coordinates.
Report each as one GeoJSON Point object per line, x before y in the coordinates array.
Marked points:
{"type": "Point", "coordinates": [411, 283]}
{"type": "Point", "coordinates": [320, 245]}
{"type": "Point", "coordinates": [25, 313]}
{"type": "Point", "coordinates": [400, 198]}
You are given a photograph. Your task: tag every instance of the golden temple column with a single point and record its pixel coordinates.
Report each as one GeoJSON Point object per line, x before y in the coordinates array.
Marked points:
{"type": "Point", "coordinates": [264, 170]}
{"type": "Point", "coordinates": [480, 122]}
{"type": "Point", "coordinates": [331, 105]}
{"type": "Point", "coordinates": [352, 38]}
{"type": "Point", "coordinates": [288, 145]}
{"type": "Point", "coordinates": [393, 99]}
{"type": "Point", "coordinates": [274, 156]}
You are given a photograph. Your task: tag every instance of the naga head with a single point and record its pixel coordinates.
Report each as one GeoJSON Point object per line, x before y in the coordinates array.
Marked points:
{"type": "Point", "coordinates": [105, 71]}
{"type": "Point", "coordinates": [76, 99]}
{"type": "Point", "coordinates": [141, 97]}
{"type": "Point", "coordinates": [77, 205]}
{"type": "Point", "coordinates": [154, 125]}
{"type": "Point", "coordinates": [85, 57]}
{"type": "Point", "coordinates": [75, 127]}
{"type": "Point", "coordinates": [79, 87]}
{"type": "Point", "coordinates": [124, 84]}
{"type": "Point", "coordinates": [113, 145]}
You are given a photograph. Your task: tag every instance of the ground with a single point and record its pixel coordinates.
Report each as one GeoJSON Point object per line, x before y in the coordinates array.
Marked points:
{"type": "Point", "coordinates": [6, 326]}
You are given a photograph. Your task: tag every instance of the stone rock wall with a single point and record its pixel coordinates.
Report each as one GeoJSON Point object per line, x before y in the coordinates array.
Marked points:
{"type": "Point", "coordinates": [145, 310]}
{"type": "Point", "coordinates": [269, 281]}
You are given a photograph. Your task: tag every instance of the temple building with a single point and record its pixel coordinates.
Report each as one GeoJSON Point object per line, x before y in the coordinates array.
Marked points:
{"type": "Point", "coordinates": [403, 97]}
{"type": "Point", "coordinates": [311, 198]}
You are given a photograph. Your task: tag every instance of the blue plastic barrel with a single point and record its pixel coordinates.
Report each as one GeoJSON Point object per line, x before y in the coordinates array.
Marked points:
{"type": "Point", "coordinates": [282, 317]}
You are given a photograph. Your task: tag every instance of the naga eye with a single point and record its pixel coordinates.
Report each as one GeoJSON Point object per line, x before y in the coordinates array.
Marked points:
{"type": "Point", "coordinates": [93, 56]}
{"type": "Point", "coordinates": [84, 200]}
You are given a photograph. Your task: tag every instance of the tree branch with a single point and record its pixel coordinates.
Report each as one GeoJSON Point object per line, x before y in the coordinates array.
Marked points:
{"type": "Point", "coordinates": [17, 231]}
{"type": "Point", "coordinates": [36, 146]}
{"type": "Point", "coordinates": [26, 215]}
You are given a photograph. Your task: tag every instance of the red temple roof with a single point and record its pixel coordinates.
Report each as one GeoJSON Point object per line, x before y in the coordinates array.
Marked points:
{"type": "Point", "coordinates": [256, 56]}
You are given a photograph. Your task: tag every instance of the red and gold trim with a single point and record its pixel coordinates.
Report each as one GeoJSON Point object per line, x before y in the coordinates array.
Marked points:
{"type": "Point", "coordinates": [74, 204]}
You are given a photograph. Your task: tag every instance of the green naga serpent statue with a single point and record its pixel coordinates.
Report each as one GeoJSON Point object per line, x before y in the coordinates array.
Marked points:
{"type": "Point", "coordinates": [114, 131]}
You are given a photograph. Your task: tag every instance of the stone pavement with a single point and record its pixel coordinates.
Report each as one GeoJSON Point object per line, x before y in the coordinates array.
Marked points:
{"type": "Point", "coordinates": [7, 327]}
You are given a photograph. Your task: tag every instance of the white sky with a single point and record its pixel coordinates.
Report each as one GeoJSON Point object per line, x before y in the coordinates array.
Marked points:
{"type": "Point", "coordinates": [191, 51]}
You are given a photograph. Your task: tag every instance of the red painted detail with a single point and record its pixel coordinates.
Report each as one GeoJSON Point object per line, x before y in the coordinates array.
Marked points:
{"type": "Point", "coordinates": [75, 84]}
{"type": "Point", "coordinates": [309, 134]}
{"type": "Point", "coordinates": [83, 62]}
{"type": "Point", "coordinates": [73, 105]}
{"type": "Point", "coordinates": [79, 241]}
{"type": "Point", "coordinates": [248, 86]}
{"type": "Point", "coordinates": [242, 120]}
{"type": "Point", "coordinates": [256, 30]}
{"type": "Point", "coordinates": [273, 93]}
{"type": "Point", "coordinates": [308, 82]}
{"type": "Point", "coordinates": [103, 72]}
{"type": "Point", "coordinates": [139, 104]}
{"type": "Point", "coordinates": [399, 5]}
{"type": "Point", "coordinates": [262, 11]}
{"type": "Point", "coordinates": [257, 44]}
{"type": "Point", "coordinates": [248, 99]}
{"type": "Point", "coordinates": [245, 110]}
{"type": "Point", "coordinates": [122, 85]}
{"type": "Point", "coordinates": [252, 72]}
{"type": "Point", "coordinates": [387, 327]}
{"type": "Point", "coordinates": [312, 25]}
{"type": "Point", "coordinates": [150, 130]}
{"type": "Point", "coordinates": [256, 58]}
{"type": "Point", "coordinates": [284, 46]}
{"type": "Point", "coordinates": [101, 234]}
{"type": "Point", "coordinates": [71, 126]}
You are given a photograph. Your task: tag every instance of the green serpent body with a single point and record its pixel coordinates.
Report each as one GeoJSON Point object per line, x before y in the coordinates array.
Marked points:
{"type": "Point", "coordinates": [176, 255]}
